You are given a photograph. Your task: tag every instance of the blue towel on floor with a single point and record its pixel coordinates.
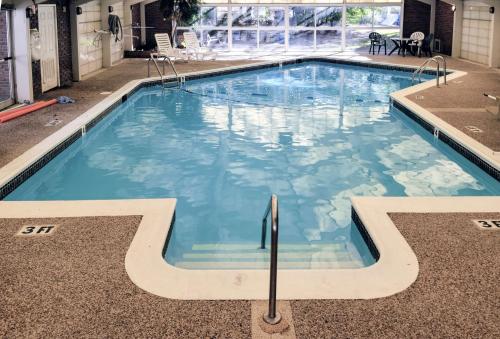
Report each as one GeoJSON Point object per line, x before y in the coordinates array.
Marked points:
{"type": "Point", "coordinates": [65, 100]}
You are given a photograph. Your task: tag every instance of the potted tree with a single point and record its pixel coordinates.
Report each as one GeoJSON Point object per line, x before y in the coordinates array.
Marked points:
{"type": "Point", "coordinates": [179, 11]}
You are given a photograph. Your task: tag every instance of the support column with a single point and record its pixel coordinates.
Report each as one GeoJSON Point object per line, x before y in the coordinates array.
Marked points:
{"type": "Point", "coordinates": [22, 53]}
{"type": "Point", "coordinates": [457, 29]}
{"type": "Point", "coordinates": [106, 37]}
{"type": "Point", "coordinates": [432, 24]}
{"type": "Point", "coordinates": [128, 40]}
{"type": "Point", "coordinates": [75, 45]}
{"type": "Point", "coordinates": [495, 37]}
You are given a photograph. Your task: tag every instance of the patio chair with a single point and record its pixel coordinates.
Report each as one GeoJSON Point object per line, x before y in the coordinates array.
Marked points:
{"type": "Point", "coordinates": [416, 39]}
{"type": "Point", "coordinates": [426, 45]}
{"type": "Point", "coordinates": [376, 39]}
{"type": "Point", "coordinates": [193, 47]}
{"type": "Point", "coordinates": [165, 48]}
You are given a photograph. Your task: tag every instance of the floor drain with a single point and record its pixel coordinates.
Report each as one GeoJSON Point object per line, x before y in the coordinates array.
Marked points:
{"type": "Point", "coordinates": [474, 129]}
{"type": "Point", "coordinates": [458, 81]}
{"type": "Point", "coordinates": [419, 97]}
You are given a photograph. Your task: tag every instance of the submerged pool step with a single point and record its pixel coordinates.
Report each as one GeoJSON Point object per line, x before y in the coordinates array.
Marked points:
{"type": "Point", "coordinates": [211, 265]}
{"type": "Point", "coordinates": [264, 255]}
{"type": "Point", "coordinates": [282, 247]}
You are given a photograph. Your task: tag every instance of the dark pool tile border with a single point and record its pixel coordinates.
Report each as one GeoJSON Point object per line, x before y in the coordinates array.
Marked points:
{"type": "Point", "coordinates": [464, 151]}
{"type": "Point", "coordinates": [364, 234]}
{"type": "Point", "coordinates": [38, 164]}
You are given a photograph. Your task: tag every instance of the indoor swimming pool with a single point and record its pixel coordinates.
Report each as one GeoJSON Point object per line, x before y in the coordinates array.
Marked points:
{"type": "Point", "coordinates": [314, 133]}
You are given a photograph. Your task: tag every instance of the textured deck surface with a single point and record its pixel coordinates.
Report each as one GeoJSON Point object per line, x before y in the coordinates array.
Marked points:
{"type": "Point", "coordinates": [456, 294]}
{"type": "Point", "coordinates": [73, 284]}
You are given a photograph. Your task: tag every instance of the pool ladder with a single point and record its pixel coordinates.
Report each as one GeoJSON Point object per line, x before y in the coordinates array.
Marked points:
{"type": "Point", "coordinates": [155, 58]}
{"type": "Point", "coordinates": [423, 68]}
{"type": "Point", "coordinates": [272, 317]}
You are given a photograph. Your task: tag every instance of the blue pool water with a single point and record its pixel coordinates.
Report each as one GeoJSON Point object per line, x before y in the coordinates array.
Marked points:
{"type": "Point", "coordinates": [313, 133]}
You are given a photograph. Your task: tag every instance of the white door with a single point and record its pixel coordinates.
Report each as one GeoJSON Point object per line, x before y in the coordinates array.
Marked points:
{"type": "Point", "coordinates": [49, 62]}
{"type": "Point", "coordinates": [476, 25]}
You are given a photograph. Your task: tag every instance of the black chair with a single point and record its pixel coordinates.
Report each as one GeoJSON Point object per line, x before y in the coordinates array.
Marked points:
{"type": "Point", "coordinates": [376, 39]}
{"type": "Point", "coordinates": [427, 45]}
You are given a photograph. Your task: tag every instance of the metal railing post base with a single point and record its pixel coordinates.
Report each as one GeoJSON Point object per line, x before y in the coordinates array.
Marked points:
{"type": "Point", "coordinates": [272, 321]}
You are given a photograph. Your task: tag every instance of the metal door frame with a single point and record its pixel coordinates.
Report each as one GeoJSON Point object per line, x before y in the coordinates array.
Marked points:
{"type": "Point", "coordinates": [9, 59]}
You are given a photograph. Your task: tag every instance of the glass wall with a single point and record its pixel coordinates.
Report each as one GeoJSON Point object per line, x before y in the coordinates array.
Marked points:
{"type": "Point", "coordinates": [334, 25]}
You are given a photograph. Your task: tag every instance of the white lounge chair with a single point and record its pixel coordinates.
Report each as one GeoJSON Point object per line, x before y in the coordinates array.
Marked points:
{"type": "Point", "coordinates": [165, 48]}
{"type": "Point", "coordinates": [193, 47]}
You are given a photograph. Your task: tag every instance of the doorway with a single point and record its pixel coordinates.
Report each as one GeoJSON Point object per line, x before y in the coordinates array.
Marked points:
{"type": "Point", "coordinates": [49, 62]}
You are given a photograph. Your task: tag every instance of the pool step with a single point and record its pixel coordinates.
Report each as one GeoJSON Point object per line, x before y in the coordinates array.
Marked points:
{"type": "Point", "coordinates": [250, 256]}
{"type": "Point", "coordinates": [247, 246]}
{"type": "Point", "coordinates": [224, 265]}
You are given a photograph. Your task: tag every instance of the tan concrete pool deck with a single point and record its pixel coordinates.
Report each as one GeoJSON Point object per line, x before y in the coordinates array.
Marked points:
{"type": "Point", "coordinates": [73, 284]}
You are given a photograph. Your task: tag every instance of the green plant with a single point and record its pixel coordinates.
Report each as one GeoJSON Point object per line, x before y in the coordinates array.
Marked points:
{"type": "Point", "coordinates": [184, 11]}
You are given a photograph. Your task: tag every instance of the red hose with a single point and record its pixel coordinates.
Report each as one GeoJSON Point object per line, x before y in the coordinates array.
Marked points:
{"type": "Point", "coordinates": [12, 114]}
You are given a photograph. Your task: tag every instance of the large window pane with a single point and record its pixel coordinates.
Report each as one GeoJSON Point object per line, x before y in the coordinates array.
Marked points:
{"type": "Point", "coordinates": [329, 39]}
{"type": "Point", "coordinates": [272, 40]}
{"type": "Point", "coordinates": [214, 16]}
{"type": "Point", "coordinates": [216, 39]}
{"type": "Point", "coordinates": [359, 16]}
{"type": "Point", "coordinates": [328, 16]}
{"type": "Point", "coordinates": [301, 16]}
{"type": "Point", "coordinates": [301, 39]}
{"type": "Point", "coordinates": [271, 16]}
{"type": "Point", "coordinates": [245, 40]}
{"type": "Point", "coordinates": [357, 38]}
{"type": "Point", "coordinates": [387, 16]}
{"type": "Point", "coordinates": [244, 16]}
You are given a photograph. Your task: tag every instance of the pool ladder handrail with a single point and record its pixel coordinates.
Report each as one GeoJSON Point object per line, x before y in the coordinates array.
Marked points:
{"type": "Point", "coordinates": [272, 317]}
{"type": "Point", "coordinates": [154, 57]}
{"type": "Point", "coordinates": [423, 68]}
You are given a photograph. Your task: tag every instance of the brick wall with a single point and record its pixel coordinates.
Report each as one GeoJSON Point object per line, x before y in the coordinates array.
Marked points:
{"type": "Point", "coordinates": [4, 66]}
{"type": "Point", "coordinates": [444, 26]}
{"type": "Point", "coordinates": [136, 21]}
{"type": "Point", "coordinates": [64, 48]}
{"type": "Point", "coordinates": [154, 18]}
{"type": "Point", "coordinates": [417, 16]}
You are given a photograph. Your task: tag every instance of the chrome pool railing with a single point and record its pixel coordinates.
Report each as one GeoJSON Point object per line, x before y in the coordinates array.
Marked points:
{"type": "Point", "coordinates": [156, 56]}
{"type": "Point", "coordinates": [272, 317]}
{"type": "Point", "coordinates": [423, 67]}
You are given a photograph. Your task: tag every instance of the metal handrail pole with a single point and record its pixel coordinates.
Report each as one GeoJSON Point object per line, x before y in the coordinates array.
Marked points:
{"type": "Point", "coordinates": [274, 257]}
{"type": "Point", "coordinates": [440, 57]}
{"type": "Point", "coordinates": [273, 317]}
{"type": "Point", "coordinates": [264, 225]}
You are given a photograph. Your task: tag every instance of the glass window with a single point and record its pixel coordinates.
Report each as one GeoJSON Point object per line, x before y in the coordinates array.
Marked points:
{"type": "Point", "coordinates": [216, 39]}
{"type": "Point", "coordinates": [329, 39]}
{"type": "Point", "coordinates": [214, 16]}
{"type": "Point", "coordinates": [271, 16]}
{"type": "Point", "coordinates": [359, 16]}
{"type": "Point", "coordinates": [301, 16]}
{"type": "Point", "coordinates": [272, 40]}
{"type": "Point", "coordinates": [301, 39]}
{"type": "Point", "coordinates": [244, 16]}
{"type": "Point", "coordinates": [387, 16]}
{"type": "Point", "coordinates": [357, 38]}
{"type": "Point", "coordinates": [328, 16]}
{"type": "Point", "coordinates": [245, 39]}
